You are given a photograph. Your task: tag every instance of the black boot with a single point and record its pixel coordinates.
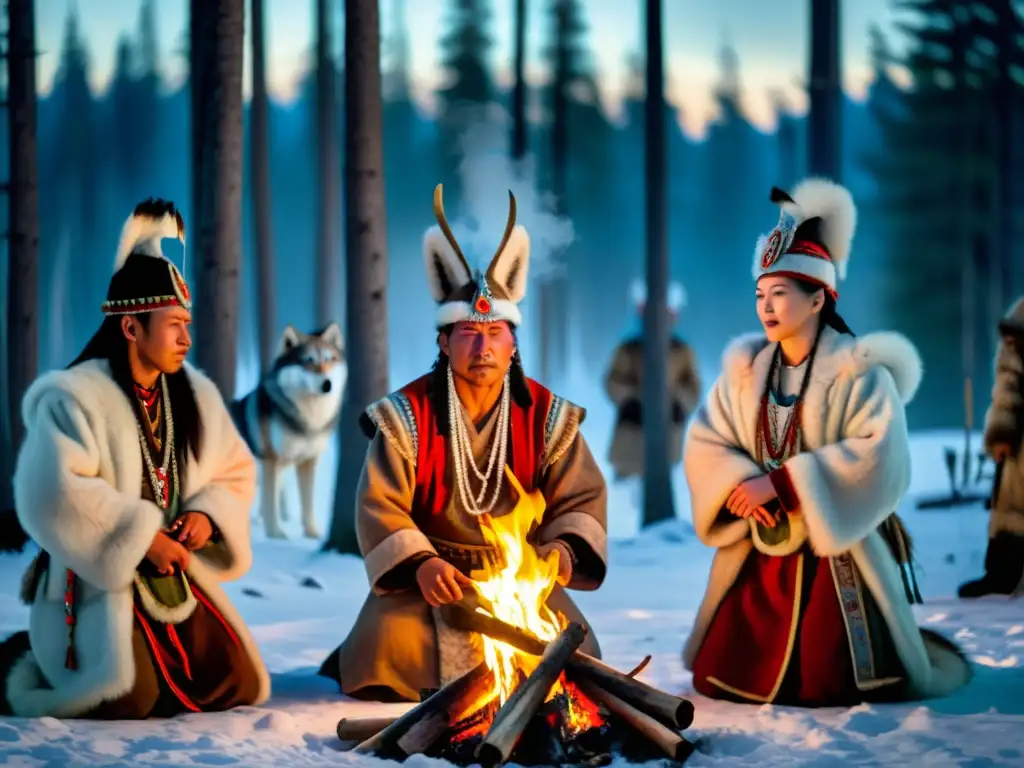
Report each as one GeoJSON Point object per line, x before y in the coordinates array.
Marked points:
{"type": "Point", "coordinates": [1004, 568]}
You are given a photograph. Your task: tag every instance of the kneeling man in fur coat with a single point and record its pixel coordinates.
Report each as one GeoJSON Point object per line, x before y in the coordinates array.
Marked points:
{"type": "Point", "coordinates": [137, 488]}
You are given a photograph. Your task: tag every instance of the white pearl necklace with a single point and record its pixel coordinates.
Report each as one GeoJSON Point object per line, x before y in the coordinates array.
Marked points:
{"type": "Point", "coordinates": [462, 452]}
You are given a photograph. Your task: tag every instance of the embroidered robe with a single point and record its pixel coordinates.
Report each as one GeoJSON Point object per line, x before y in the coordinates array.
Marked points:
{"type": "Point", "coordinates": [846, 481]}
{"type": "Point", "coordinates": [407, 511]}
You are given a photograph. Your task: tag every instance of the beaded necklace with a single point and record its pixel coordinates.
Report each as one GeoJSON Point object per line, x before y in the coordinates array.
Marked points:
{"type": "Point", "coordinates": [163, 493]}
{"type": "Point", "coordinates": [781, 446]}
{"type": "Point", "coordinates": [462, 451]}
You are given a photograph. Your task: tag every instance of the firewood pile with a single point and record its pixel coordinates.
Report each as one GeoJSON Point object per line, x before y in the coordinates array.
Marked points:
{"type": "Point", "coordinates": [597, 713]}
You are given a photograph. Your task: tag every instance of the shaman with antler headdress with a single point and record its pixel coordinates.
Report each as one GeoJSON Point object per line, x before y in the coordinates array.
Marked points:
{"type": "Point", "coordinates": [151, 513]}
{"type": "Point", "coordinates": [469, 442]}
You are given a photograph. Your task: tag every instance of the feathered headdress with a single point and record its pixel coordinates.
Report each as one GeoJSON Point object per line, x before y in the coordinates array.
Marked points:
{"type": "Point", "coordinates": [144, 279]}
{"type": "Point", "coordinates": [464, 294]}
{"type": "Point", "coordinates": [813, 237]}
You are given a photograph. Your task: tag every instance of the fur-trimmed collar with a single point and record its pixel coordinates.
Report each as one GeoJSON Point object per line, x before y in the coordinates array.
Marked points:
{"type": "Point", "coordinates": [91, 379]}
{"type": "Point", "coordinates": [839, 354]}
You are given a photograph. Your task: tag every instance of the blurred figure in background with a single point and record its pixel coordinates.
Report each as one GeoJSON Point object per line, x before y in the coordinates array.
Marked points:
{"type": "Point", "coordinates": [1004, 442]}
{"type": "Point", "coordinates": [624, 383]}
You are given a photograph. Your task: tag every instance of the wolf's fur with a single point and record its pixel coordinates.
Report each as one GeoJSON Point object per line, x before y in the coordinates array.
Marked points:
{"type": "Point", "coordinates": [290, 416]}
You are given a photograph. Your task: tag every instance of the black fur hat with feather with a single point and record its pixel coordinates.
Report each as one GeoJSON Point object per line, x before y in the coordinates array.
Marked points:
{"type": "Point", "coordinates": [144, 279]}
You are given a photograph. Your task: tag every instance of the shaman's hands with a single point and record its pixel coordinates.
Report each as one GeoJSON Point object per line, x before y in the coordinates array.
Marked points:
{"type": "Point", "coordinates": [167, 555]}
{"type": "Point", "coordinates": [749, 499]}
{"type": "Point", "coordinates": [440, 582]}
{"type": "Point", "coordinates": [564, 559]}
{"type": "Point", "coordinates": [193, 530]}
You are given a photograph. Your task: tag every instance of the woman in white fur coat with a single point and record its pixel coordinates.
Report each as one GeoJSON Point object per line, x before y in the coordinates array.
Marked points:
{"type": "Point", "coordinates": [796, 462]}
{"type": "Point", "coordinates": [137, 488]}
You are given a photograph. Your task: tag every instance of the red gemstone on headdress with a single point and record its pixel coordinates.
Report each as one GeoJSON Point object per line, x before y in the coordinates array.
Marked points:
{"type": "Point", "coordinates": [482, 305]}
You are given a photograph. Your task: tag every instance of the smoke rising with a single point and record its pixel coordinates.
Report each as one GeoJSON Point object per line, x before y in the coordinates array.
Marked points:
{"type": "Point", "coordinates": [487, 174]}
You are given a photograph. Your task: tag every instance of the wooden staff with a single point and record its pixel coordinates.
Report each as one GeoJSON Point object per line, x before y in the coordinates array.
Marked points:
{"type": "Point", "coordinates": [671, 743]}
{"type": "Point", "coordinates": [515, 714]}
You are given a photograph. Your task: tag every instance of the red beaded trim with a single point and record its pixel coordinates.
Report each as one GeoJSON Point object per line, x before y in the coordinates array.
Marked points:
{"type": "Point", "coordinates": [70, 658]}
{"type": "Point", "coordinates": [135, 306]}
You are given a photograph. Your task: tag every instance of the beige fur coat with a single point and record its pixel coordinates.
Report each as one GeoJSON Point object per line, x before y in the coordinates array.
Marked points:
{"type": "Point", "coordinates": [77, 487]}
{"type": "Point", "coordinates": [851, 476]}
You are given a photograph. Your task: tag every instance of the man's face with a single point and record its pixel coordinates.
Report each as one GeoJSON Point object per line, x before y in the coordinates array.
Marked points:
{"type": "Point", "coordinates": [165, 343]}
{"type": "Point", "coordinates": [480, 353]}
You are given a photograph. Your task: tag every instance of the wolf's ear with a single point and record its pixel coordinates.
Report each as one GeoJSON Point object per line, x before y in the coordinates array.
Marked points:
{"type": "Point", "coordinates": [289, 340]}
{"type": "Point", "coordinates": [332, 335]}
{"type": "Point", "coordinates": [446, 272]}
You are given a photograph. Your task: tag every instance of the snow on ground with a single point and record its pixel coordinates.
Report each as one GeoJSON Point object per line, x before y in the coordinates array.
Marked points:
{"type": "Point", "coordinates": [646, 606]}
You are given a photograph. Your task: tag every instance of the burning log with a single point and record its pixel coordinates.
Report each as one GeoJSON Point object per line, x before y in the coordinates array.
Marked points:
{"type": "Point", "coordinates": [362, 728]}
{"type": "Point", "coordinates": [386, 742]}
{"type": "Point", "coordinates": [514, 715]}
{"type": "Point", "coordinates": [425, 732]}
{"type": "Point", "coordinates": [668, 741]}
{"type": "Point", "coordinates": [667, 708]}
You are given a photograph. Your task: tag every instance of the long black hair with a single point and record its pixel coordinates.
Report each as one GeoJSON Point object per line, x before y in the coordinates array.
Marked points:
{"type": "Point", "coordinates": [110, 344]}
{"type": "Point", "coordinates": [829, 315]}
{"type": "Point", "coordinates": [438, 386]}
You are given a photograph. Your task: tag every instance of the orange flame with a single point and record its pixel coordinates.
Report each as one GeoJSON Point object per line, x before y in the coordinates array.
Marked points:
{"type": "Point", "coordinates": [517, 594]}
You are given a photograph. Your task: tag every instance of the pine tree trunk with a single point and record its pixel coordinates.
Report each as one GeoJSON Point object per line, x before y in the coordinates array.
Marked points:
{"type": "Point", "coordinates": [366, 274]}
{"type": "Point", "coordinates": [328, 259]}
{"type": "Point", "coordinates": [554, 317]}
{"type": "Point", "coordinates": [217, 30]}
{"type": "Point", "coordinates": [23, 248]}
{"type": "Point", "coordinates": [519, 89]}
{"type": "Point", "coordinates": [259, 147]}
{"type": "Point", "coordinates": [658, 500]}
{"type": "Point", "coordinates": [824, 120]}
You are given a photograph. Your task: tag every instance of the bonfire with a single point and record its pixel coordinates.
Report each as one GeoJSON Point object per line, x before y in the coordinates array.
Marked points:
{"type": "Point", "coordinates": [535, 699]}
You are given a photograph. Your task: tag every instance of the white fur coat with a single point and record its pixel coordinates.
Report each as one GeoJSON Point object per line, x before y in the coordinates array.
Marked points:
{"type": "Point", "coordinates": [78, 486]}
{"type": "Point", "coordinates": [851, 476]}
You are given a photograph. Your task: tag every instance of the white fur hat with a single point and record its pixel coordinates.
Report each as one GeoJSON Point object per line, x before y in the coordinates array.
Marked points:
{"type": "Point", "coordinates": [813, 237]}
{"type": "Point", "coordinates": [463, 294]}
{"type": "Point", "coordinates": [676, 295]}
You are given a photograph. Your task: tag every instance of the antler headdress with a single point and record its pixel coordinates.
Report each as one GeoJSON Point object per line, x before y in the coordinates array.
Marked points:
{"type": "Point", "coordinates": [464, 294]}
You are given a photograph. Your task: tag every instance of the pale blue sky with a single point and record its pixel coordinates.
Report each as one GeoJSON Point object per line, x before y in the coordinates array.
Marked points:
{"type": "Point", "coordinates": [770, 36]}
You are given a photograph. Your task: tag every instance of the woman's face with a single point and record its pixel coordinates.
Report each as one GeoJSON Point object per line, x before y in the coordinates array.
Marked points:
{"type": "Point", "coordinates": [784, 309]}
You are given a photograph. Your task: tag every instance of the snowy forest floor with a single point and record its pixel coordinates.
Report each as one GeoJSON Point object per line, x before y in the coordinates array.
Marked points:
{"type": "Point", "coordinates": [646, 606]}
